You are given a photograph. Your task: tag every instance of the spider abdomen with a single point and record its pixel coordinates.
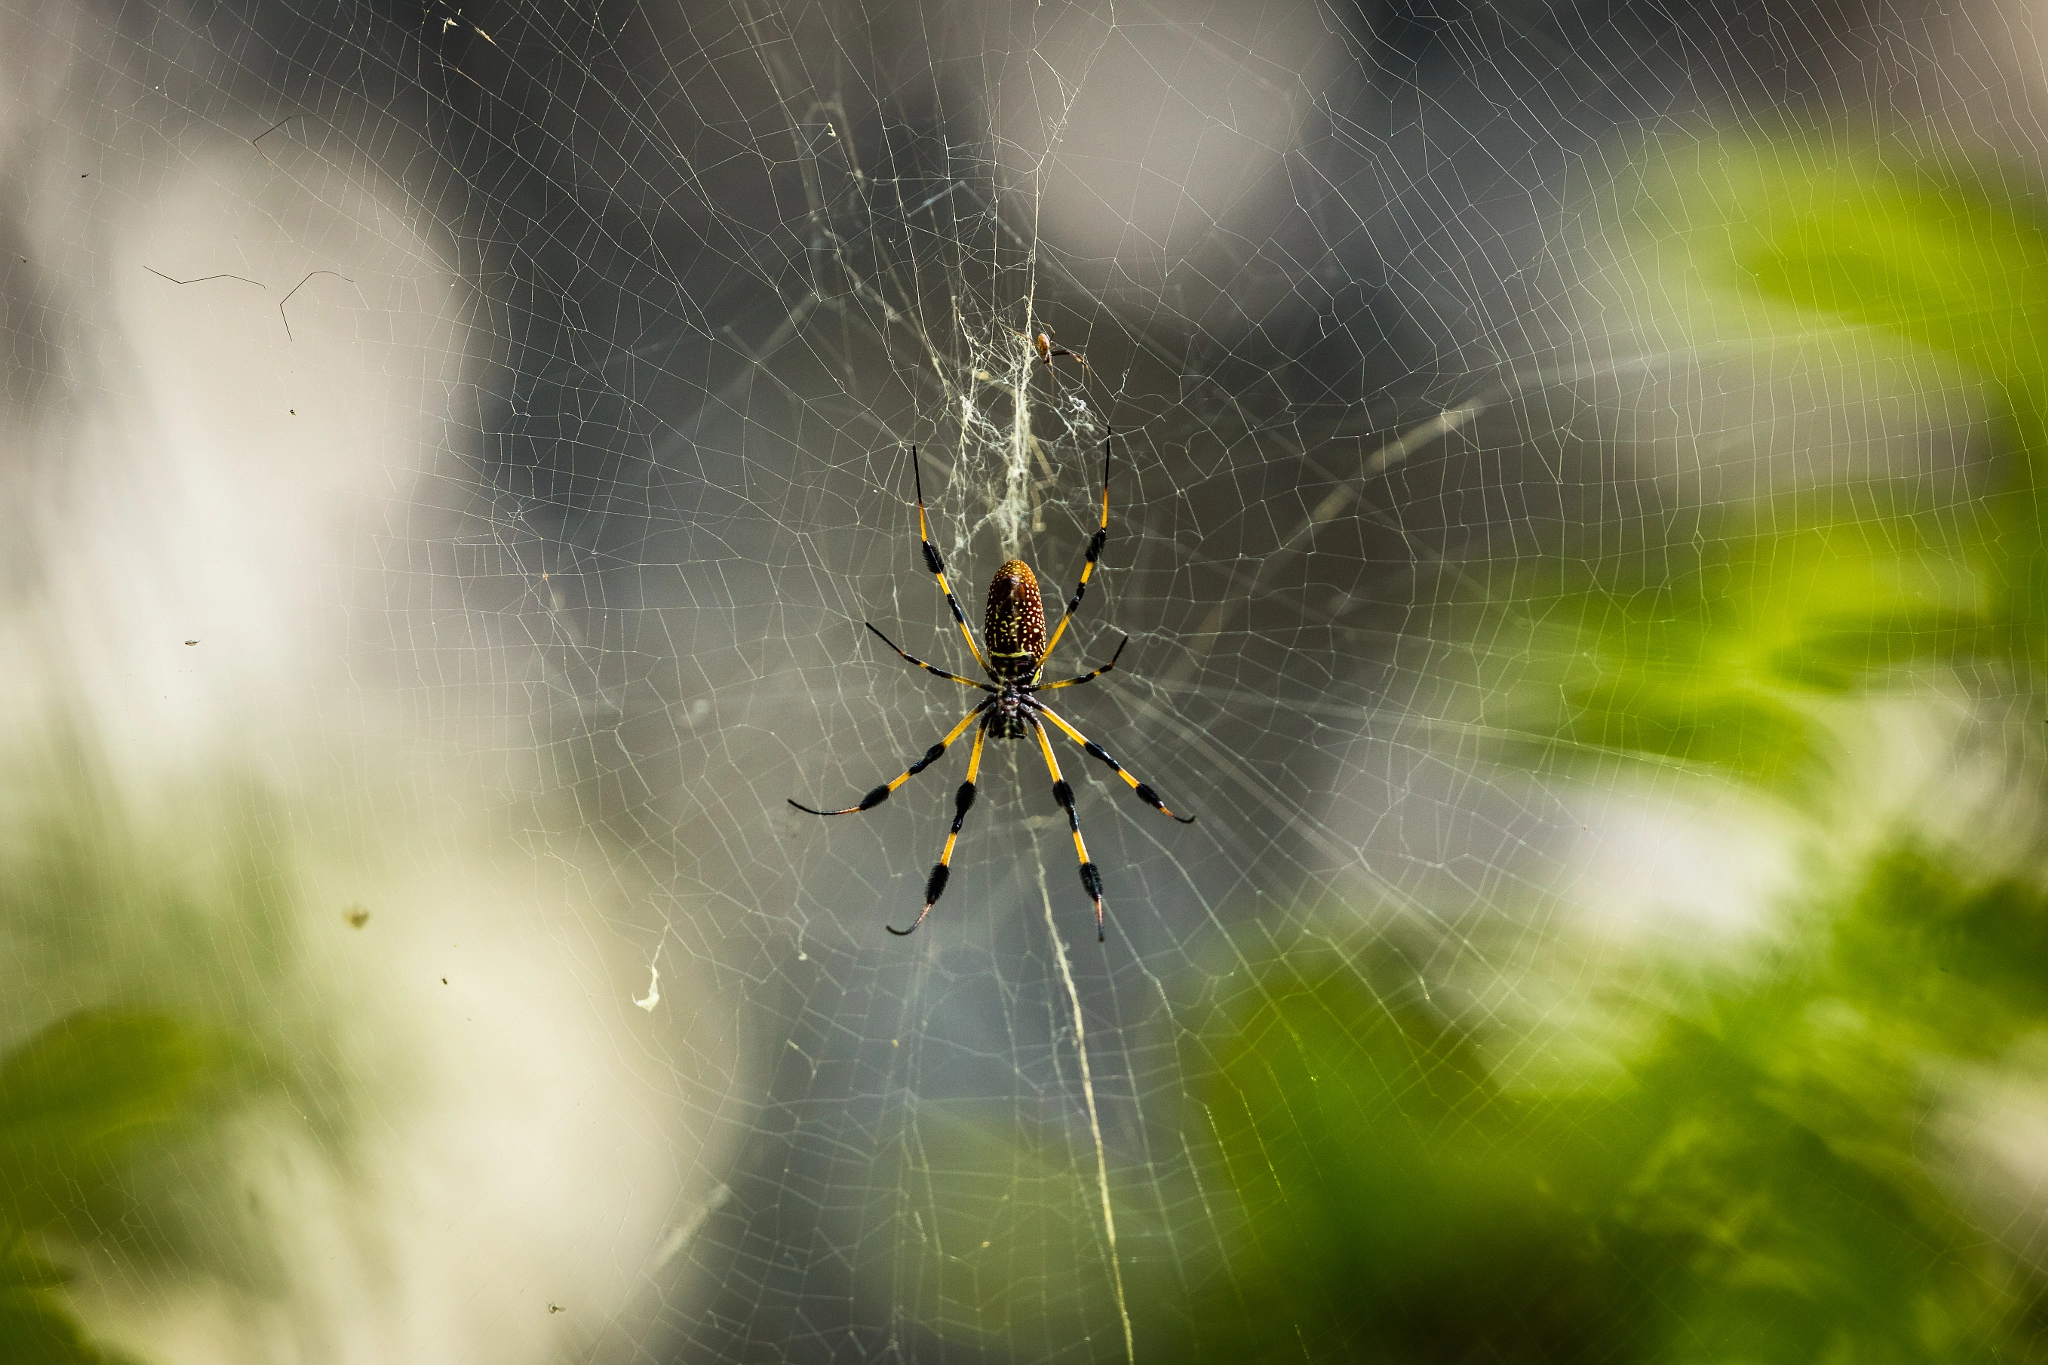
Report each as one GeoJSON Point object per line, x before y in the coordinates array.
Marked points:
{"type": "Point", "coordinates": [1015, 624]}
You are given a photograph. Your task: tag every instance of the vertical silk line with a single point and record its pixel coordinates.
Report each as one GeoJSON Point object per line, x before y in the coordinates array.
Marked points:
{"type": "Point", "coordinates": [1016, 502]}
{"type": "Point", "coordinates": [1116, 1268]}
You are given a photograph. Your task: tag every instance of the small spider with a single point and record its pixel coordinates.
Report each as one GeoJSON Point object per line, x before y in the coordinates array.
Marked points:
{"type": "Point", "coordinates": [1017, 650]}
{"type": "Point", "coordinates": [1042, 342]}
{"type": "Point", "coordinates": [1046, 350]}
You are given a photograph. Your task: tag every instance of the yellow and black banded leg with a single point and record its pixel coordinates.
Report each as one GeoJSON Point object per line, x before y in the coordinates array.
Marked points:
{"type": "Point", "coordinates": [913, 659]}
{"type": "Point", "coordinates": [1088, 568]}
{"type": "Point", "coordinates": [963, 801]}
{"type": "Point", "coordinates": [1091, 875]}
{"type": "Point", "coordinates": [938, 565]}
{"type": "Point", "coordinates": [1086, 677]}
{"type": "Point", "coordinates": [931, 756]}
{"type": "Point", "coordinates": [1143, 789]}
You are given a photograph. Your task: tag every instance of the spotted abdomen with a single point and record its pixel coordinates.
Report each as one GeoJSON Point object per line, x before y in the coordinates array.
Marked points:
{"type": "Point", "coordinates": [1015, 626]}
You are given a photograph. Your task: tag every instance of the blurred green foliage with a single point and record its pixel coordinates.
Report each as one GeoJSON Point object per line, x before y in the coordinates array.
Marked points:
{"type": "Point", "coordinates": [73, 1100]}
{"type": "Point", "coordinates": [1005, 1218]}
{"type": "Point", "coordinates": [1956, 265]}
{"type": "Point", "coordinates": [1751, 1181]}
{"type": "Point", "coordinates": [1723, 648]}
{"type": "Point", "coordinates": [1724, 653]}
{"type": "Point", "coordinates": [1750, 1187]}
{"type": "Point", "coordinates": [1752, 1171]}
{"type": "Point", "coordinates": [35, 1326]}
{"type": "Point", "coordinates": [153, 925]}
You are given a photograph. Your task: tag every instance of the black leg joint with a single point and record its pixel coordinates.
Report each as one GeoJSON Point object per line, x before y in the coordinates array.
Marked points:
{"type": "Point", "coordinates": [935, 885]}
{"type": "Point", "coordinates": [931, 756]}
{"type": "Point", "coordinates": [1091, 880]}
{"type": "Point", "coordinates": [963, 800]}
{"type": "Point", "coordinates": [1147, 795]}
{"type": "Point", "coordinates": [874, 798]}
{"type": "Point", "coordinates": [931, 558]}
{"type": "Point", "coordinates": [1097, 751]}
{"type": "Point", "coordinates": [1095, 546]}
{"type": "Point", "coordinates": [1064, 794]}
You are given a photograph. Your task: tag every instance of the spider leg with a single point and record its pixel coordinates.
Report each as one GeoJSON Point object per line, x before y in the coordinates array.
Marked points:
{"type": "Point", "coordinates": [1088, 568]}
{"type": "Point", "coordinates": [913, 659]}
{"type": "Point", "coordinates": [1091, 875]}
{"type": "Point", "coordinates": [938, 566]}
{"type": "Point", "coordinates": [1143, 789]}
{"type": "Point", "coordinates": [963, 801]}
{"type": "Point", "coordinates": [931, 756]}
{"type": "Point", "coordinates": [1085, 677]}
{"type": "Point", "coordinates": [1087, 373]}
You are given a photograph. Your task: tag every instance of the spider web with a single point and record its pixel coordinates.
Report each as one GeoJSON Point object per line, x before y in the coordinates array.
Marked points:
{"type": "Point", "coordinates": [1364, 298]}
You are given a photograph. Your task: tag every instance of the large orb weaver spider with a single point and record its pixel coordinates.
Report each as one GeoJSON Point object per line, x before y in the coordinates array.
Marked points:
{"type": "Point", "coordinates": [1014, 628]}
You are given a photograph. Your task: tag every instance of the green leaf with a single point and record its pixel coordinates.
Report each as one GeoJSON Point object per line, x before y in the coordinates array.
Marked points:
{"type": "Point", "coordinates": [1004, 1229]}
{"type": "Point", "coordinates": [35, 1330]}
{"type": "Point", "coordinates": [1746, 1184]}
{"type": "Point", "coordinates": [22, 1268]}
{"type": "Point", "coordinates": [1952, 966]}
{"type": "Point", "coordinates": [79, 1092]}
{"type": "Point", "coordinates": [1960, 267]}
{"type": "Point", "coordinates": [1395, 1205]}
{"type": "Point", "coordinates": [1951, 261]}
{"type": "Point", "coordinates": [1722, 656]}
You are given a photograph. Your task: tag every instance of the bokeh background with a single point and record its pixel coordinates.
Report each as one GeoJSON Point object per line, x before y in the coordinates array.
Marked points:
{"type": "Point", "coordinates": [1575, 514]}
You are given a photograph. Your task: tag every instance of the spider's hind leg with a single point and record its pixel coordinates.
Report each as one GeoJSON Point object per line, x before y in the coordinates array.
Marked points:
{"type": "Point", "coordinates": [1091, 875]}
{"type": "Point", "coordinates": [942, 870]}
{"type": "Point", "coordinates": [931, 756]}
{"type": "Point", "coordinates": [1143, 789]}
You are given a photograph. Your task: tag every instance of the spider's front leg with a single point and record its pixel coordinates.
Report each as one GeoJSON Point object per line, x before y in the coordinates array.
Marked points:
{"type": "Point", "coordinates": [949, 677]}
{"type": "Point", "coordinates": [1094, 553]}
{"type": "Point", "coordinates": [937, 565]}
{"type": "Point", "coordinates": [1091, 674]}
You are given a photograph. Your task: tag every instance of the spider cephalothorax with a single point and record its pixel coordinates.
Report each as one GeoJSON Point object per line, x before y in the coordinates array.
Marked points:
{"type": "Point", "coordinates": [1014, 628]}
{"type": "Point", "coordinates": [1007, 719]}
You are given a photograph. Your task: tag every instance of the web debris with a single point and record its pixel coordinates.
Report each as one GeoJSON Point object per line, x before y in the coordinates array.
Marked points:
{"type": "Point", "coordinates": [653, 997]}
{"type": "Point", "coordinates": [295, 289]}
{"type": "Point", "coordinates": [685, 1232]}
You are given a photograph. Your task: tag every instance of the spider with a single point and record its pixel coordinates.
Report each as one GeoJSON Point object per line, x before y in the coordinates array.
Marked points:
{"type": "Point", "coordinates": [1014, 628]}
{"type": "Point", "coordinates": [1042, 342]}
